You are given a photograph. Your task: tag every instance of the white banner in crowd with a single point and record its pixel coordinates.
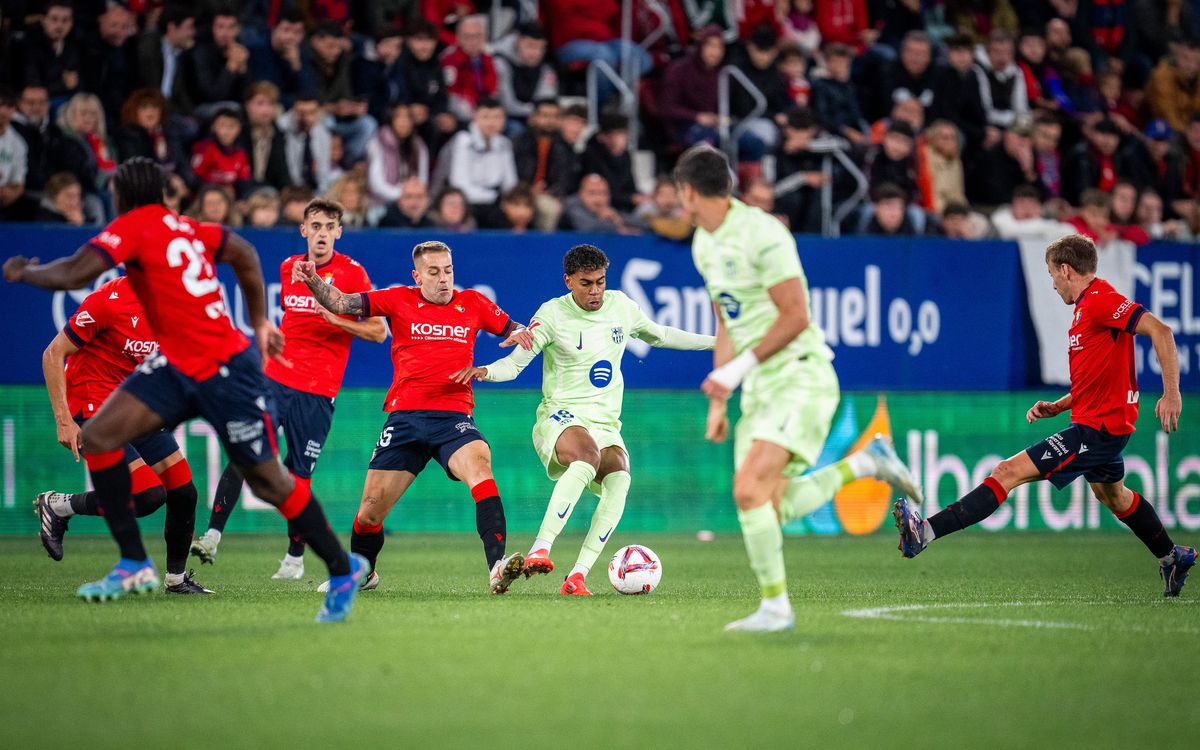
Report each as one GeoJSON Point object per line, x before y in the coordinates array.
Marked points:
{"type": "Point", "coordinates": [1051, 317]}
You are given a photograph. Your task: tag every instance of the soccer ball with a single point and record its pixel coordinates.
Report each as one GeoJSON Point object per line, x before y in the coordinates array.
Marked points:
{"type": "Point", "coordinates": [635, 570]}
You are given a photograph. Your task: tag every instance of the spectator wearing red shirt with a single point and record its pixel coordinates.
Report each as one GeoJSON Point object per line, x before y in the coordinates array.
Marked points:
{"type": "Point", "coordinates": [1094, 221]}
{"type": "Point", "coordinates": [581, 31]}
{"type": "Point", "coordinates": [845, 22]}
{"type": "Point", "coordinates": [218, 159]}
{"type": "Point", "coordinates": [1097, 163]}
{"type": "Point", "coordinates": [470, 72]}
{"type": "Point", "coordinates": [445, 15]}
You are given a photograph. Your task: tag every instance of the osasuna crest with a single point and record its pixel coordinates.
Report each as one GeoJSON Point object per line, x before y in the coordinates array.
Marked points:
{"type": "Point", "coordinates": [618, 335]}
{"type": "Point", "coordinates": [1078, 315]}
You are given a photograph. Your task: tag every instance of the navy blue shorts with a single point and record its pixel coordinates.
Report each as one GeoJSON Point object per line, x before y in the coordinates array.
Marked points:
{"type": "Point", "coordinates": [410, 438]}
{"type": "Point", "coordinates": [304, 419]}
{"type": "Point", "coordinates": [1080, 451]}
{"type": "Point", "coordinates": [150, 448]}
{"type": "Point", "coordinates": [236, 402]}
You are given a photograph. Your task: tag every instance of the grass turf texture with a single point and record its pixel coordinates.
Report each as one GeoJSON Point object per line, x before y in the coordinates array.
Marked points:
{"type": "Point", "coordinates": [1094, 658]}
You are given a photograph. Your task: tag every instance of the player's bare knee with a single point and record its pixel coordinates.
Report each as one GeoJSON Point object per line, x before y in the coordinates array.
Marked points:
{"type": "Point", "coordinates": [370, 511]}
{"type": "Point", "coordinates": [749, 492]}
{"type": "Point", "coordinates": [94, 440]}
{"type": "Point", "coordinates": [1006, 473]}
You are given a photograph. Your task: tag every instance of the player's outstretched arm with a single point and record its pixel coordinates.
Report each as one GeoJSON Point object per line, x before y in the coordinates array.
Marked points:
{"type": "Point", "coordinates": [329, 296]}
{"type": "Point", "coordinates": [243, 259]}
{"type": "Point", "coordinates": [1170, 405]}
{"type": "Point", "coordinates": [59, 349]}
{"type": "Point", "coordinates": [666, 337]}
{"type": "Point", "coordinates": [517, 334]}
{"type": "Point", "coordinates": [370, 329]}
{"type": "Point", "coordinates": [65, 273]}
{"type": "Point", "coordinates": [1048, 409]}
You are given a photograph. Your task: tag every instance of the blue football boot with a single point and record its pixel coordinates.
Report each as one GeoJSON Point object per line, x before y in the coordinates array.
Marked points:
{"type": "Point", "coordinates": [342, 590]}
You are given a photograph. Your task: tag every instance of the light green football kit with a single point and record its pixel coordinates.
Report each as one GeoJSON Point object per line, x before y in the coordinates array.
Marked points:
{"type": "Point", "coordinates": [582, 386]}
{"type": "Point", "coordinates": [790, 399]}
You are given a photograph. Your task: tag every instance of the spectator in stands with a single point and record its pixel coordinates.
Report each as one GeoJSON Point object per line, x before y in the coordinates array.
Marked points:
{"type": "Point", "coordinates": [62, 201]}
{"type": "Point", "coordinates": [214, 203]}
{"type": "Point", "coordinates": [347, 114]}
{"type": "Point", "coordinates": [1155, 25]}
{"type": "Point", "coordinates": [217, 71]}
{"type": "Point", "coordinates": [426, 86]}
{"type": "Point", "coordinates": [1074, 91]}
{"type": "Point", "coordinates": [890, 217]}
{"type": "Point", "coordinates": [82, 120]}
{"type": "Point", "coordinates": [282, 61]}
{"type": "Point", "coordinates": [446, 15]}
{"type": "Point", "coordinates": [800, 27]}
{"type": "Point", "coordinates": [1031, 59]}
{"type": "Point", "coordinates": [979, 19]}
{"type": "Point", "coordinates": [52, 55]}
{"type": "Point", "coordinates": [1024, 220]}
{"type": "Point", "coordinates": [1187, 204]}
{"type": "Point", "coordinates": [219, 159]}
{"type": "Point", "coordinates": [469, 71]}
{"type": "Point", "coordinates": [846, 22]}
{"type": "Point", "coordinates": [1114, 104]}
{"type": "Point", "coordinates": [759, 194]}
{"type": "Point", "coordinates": [1123, 204]}
{"type": "Point", "coordinates": [308, 143]}
{"type": "Point", "coordinates": [911, 75]}
{"type": "Point", "coordinates": [1095, 163]}
{"type": "Point", "coordinates": [574, 126]}
{"type": "Point", "coordinates": [294, 198]}
{"type": "Point", "coordinates": [516, 209]}
{"type": "Point", "coordinates": [591, 209]}
{"type": "Point", "coordinates": [688, 101]}
{"type": "Point", "coordinates": [834, 99]}
{"type": "Point", "coordinates": [956, 94]}
{"type": "Point", "coordinates": [581, 31]}
{"type": "Point", "coordinates": [1173, 92]}
{"type": "Point", "coordinates": [481, 160]}
{"type": "Point", "coordinates": [1047, 162]}
{"type": "Point", "coordinates": [524, 77]}
{"type": "Point", "coordinates": [143, 131]}
{"type": "Point", "coordinates": [14, 155]}
{"type": "Point", "coordinates": [350, 191]}
{"type": "Point", "coordinates": [956, 222]}
{"type": "Point", "coordinates": [160, 54]}
{"type": "Point", "coordinates": [1001, 168]}
{"type": "Point", "coordinates": [49, 151]}
{"type": "Point", "coordinates": [396, 152]}
{"type": "Point", "coordinates": [109, 60]}
{"type": "Point", "coordinates": [757, 61]}
{"type": "Point", "coordinates": [176, 195]}
{"type": "Point", "coordinates": [798, 173]}
{"type": "Point", "coordinates": [450, 212]}
{"type": "Point", "coordinates": [607, 154]}
{"type": "Point", "coordinates": [1150, 219]}
{"type": "Point", "coordinates": [663, 213]}
{"type": "Point", "coordinates": [892, 160]}
{"type": "Point", "coordinates": [1155, 164]}
{"type": "Point", "coordinates": [944, 161]}
{"type": "Point", "coordinates": [381, 78]}
{"type": "Point", "coordinates": [409, 210]}
{"type": "Point", "coordinates": [792, 64]}
{"type": "Point", "coordinates": [1094, 220]}
{"type": "Point", "coordinates": [262, 208]}
{"type": "Point", "coordinates": [545, 162]}
{"type": "Point", "coordinates": [1001, 84]}
{"type": "Point", "coordinates": [264, 143]}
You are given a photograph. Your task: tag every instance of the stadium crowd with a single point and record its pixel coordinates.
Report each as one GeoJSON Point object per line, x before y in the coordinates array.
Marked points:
{"type": "Point", "coordinates": [968, 119]}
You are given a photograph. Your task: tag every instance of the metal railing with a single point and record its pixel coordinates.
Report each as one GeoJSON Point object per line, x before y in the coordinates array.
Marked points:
{"type": "Point", "coordinates": [831, 148]}
{"type": "Point", "coordinates": [629, 102]}
{"type": "Point", "coordinates": [729, 132]}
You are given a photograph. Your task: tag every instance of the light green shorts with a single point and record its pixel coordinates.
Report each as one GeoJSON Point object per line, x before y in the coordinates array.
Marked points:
{"type": "Point", "coordinates": [553, 422]}
{"type": "Point", "coordinates": [792, 407]}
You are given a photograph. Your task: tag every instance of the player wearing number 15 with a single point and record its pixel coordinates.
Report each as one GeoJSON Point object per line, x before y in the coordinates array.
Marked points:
{"type": "Point", "coordinates": [204, 367]}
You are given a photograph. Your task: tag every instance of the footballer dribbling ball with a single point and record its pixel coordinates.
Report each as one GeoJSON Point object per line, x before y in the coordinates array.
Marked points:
{"type": "Point", "coordinates": [635, 570]}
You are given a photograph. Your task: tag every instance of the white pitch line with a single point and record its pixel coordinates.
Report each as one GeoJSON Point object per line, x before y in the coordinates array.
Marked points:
{"type": "Point", "coordinates": [907, 613]}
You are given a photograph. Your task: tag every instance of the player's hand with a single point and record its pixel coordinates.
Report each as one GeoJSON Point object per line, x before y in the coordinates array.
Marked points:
{"type": "Point", "coordinates": [331, 318]}
{"type": "Point", "coordinates": [270, 342]}
{"type": "Point", "coordinates": [1167, 410]}
{"type": "Point", "coordinates": [303, 270]}
{"type": "Point", "coordinates": [15, 266]}
{"type": "Point", "coordinates": [1042, 410]}
{"type": "Point", "coordinates": [715, 390]}
{"type": "Point", "coordinates": [467, 374]}
{"type": "Point", "coordinates": [68, 437]}
{"type": "Point", "coordinates": [522, 336]}
{"type": "Point", "coordinates": [717, 427]}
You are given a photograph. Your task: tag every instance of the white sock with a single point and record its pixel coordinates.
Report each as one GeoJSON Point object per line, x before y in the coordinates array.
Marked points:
{"type": "Point", "coordinates": [779, 603]}
{"type": "Point", "coordinates": [174, 578]}
{"type": "Point", "coordinates": [293, 560]}
{"type": "Point", "coordinates": [1169, 558]}
{"type": "Point", "coordinates": [928, 530]}
{"type": "Point", "coordinates": [214, 535]}
{"type": "Point", "coordinates": [540, 543]}
{"type": "Point", "coordinates": [861, 463]}
{"type": "Point", "coordinates": [60, 504]}
{"type": "Point", "coordinates": [583, 569]}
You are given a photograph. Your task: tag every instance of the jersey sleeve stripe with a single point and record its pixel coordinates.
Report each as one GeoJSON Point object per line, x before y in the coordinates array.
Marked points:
{"type": "Point", "coordinates": [75, 338]}
{"type": "Point", "coordinates": [1134, 317]}
{"type": "Point", "coordinates": [221, 247]}
{"type": "Point", "coordinates": [104, 254]}
{"type": "Point", "coordinates": [366, 304]}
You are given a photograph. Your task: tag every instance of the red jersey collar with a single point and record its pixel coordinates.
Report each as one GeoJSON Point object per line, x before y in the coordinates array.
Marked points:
{"type": "Point", "coordinates": [421, 294]}
{"type": "Point", "coordinates": [331, 259]}
{"type": "Point", "coordinates": [1089, 286]}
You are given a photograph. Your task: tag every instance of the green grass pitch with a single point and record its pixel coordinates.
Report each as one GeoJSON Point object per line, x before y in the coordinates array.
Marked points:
{"type": "Point", "coordinates": [1021, 640]}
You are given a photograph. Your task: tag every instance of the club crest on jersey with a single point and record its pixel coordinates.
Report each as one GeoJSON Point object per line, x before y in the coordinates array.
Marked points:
{"type": "Point", "coordinates": [618, 335]}
{"type": "Point", "coordinates": [460, 308]}
{"type": "Point", "coordinates": [1078, 315]}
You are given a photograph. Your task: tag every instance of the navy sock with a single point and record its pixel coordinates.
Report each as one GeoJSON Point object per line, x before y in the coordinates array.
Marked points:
{"type": "Point", "coordinates": [229, 489]}
{"type": "Point", "coordinates": [974, 506]}
{"type": "Point", "coordinates": [489, 522]}
{"type": "Point", "coordinates": [112, 485]}
{"type": "Point", "coordinates": [1143, 521]}
{"type": "Point", "coordinates": [180, 525]}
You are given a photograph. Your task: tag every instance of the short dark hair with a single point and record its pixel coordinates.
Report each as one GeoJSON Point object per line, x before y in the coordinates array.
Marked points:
{"type": "Point", "coordinates": [226, 111]}
{"type": "Point", "coordinates": [429, 246]}
{"type": "Point", "coordinates": [576, 110]}
{"type": "Point", "coordinates": [706, 170]}
{"type": "Point", "coordinates": [488, 102]}
{"type": "Point", "coordinates": [1094, 198]}
{"type": "Point", "coordinates": [223, 9]}
{"type": "Point", "coordinates": [838, 49]}
{"type": "Point", "coordinates": [955, 208]}
{"type": "Point", "coordinates": [59, 182]}
{"type": "Point", "coordinates": [958, 41]}
{"type": "Point", "coordinates": [532, 31]}
{"type": "Point", "coordinates": [290, 15]}
{"type": "Point", "coordinates": [890, 191]}
{"type": "Point", "coordinates": [295, 194]}
{"type": "Point", "coordinates": [325, 206]}
{"type": "Point", "coordinates": [139, 182]}
{"type": "Point", "coordinates": [1000, 35]}
{"type": "Point", "coordinates": [545, 101]}
{"type": "Point", "coordinates": [422, 28]}
{"type": "Point", "coordinates": [611, 122]}
{"type": "Point", "coordinates": [1075, 250]}
{"type": "Point", "coordinates": [764, 36]}
{"type": "Point", "coordinates": [1027, 192]}
{"type": "Point", "coordinates": [801, 118]}
{"type": "Point", "coordinates": [788, 51]}
{"type": "Point", "coordinates": [175, 14]}
{"type": "Point", "coordinates": [520, 193]}
{"type": "Point", "coordinates": [584, 258]}
{"type": "Point", "coordinates": [328, 28]}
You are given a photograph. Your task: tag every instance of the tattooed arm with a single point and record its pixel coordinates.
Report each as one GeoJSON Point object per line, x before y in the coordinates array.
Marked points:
{"type": "Point", "coordinates": [329, 296]}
